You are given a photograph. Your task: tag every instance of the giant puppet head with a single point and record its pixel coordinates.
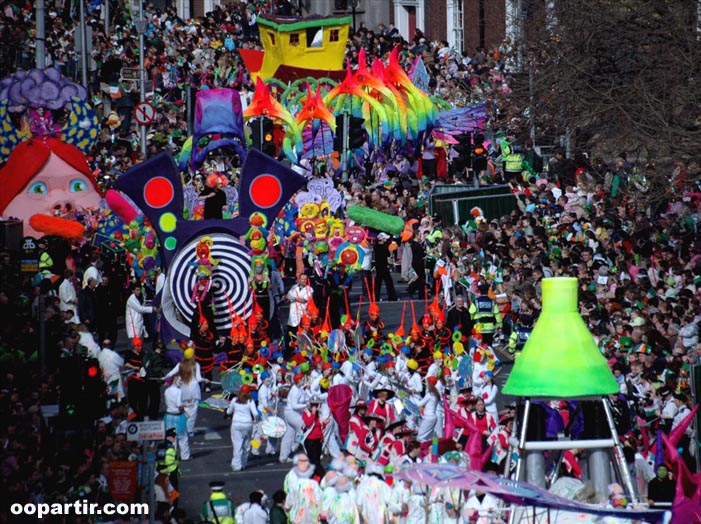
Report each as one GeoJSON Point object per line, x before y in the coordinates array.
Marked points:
{"type": "Point", "coordinates": [46, 180]}
{"type": "Point", "coordinates": [47, 184]}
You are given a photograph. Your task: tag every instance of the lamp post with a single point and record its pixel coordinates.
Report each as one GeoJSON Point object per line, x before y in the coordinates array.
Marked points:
{"type": "Point", "coordinates": [40, 38]}
{"type": "Point", "coordinates": [83, 45]}
{"type": "Point", "coordinates": [354, 9]}
{"type": "Point", "coordinates": [140, 26]}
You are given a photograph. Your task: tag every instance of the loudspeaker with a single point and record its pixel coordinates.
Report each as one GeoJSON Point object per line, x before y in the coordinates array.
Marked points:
{"type": "Point", "coordinates": [11, 234]}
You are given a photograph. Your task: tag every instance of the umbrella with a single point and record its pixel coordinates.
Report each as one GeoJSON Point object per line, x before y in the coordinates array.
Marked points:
{"type": "Point", "coordinates": [439, 475]}
{"type": "Point", "coordinates": [511, 491]}
{"type": "Point", "coordinates": [523, 494]}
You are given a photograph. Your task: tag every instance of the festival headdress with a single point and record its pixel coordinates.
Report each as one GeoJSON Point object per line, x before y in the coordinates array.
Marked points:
{"type": "Point", "coordinates": [373, 308]}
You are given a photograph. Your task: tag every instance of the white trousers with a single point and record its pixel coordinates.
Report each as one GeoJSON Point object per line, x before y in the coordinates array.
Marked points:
{"type": "Point", "coordinates": [427, 428]}
{"type": "Point", "coordinates": [241, 441]}
{"type": "Point", "coordinates": [184, 447]}
{"type": "Point", "coordinates": [332, 438]}
{"type": "Point", "coordinates": [289, 439]}
{"type": "Point", "coordinates": [191, 417]}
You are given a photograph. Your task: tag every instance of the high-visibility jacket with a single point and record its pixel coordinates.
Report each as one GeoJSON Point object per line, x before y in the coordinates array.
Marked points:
{"type": "Point", "coordinates": [46, 263]}
{"type": "Point", "coordinates": [513, 162]}
{"type": "Point", "coordinates": [519, 336]}
{"type": "Point", "coordinates": [485, 311]}
{"type": "Point", "coordinates": [223, 508]}
{"type": "Point", "coordinates": [170, 459]}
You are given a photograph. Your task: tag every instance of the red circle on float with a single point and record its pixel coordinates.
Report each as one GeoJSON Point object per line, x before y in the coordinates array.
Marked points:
{"type": "Point", "coordinates": [265, 191]}
{"type": "Point", "coordinates": [349, 257]}
{"type": "Point", "coordinates": [158, 192]}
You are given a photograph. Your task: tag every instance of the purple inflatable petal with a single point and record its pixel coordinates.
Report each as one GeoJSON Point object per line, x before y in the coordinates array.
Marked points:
{"type": "Point", "coordinates": [67, 91]}
{"type": "Point", "coordinates": [5, 82]}
{"type": "Point", "coordinates": [19, 75]}
{"type": "Point", "coordinates": [15, 93]}
{"type": "Point", "coordinates": [4, 92]}
{"type": "Point", "coordinates": [50, 91]}
{"type": "Point", "coordinates": [17, 108]}
{"type": "Point", "coordinates": [54, 104]}
{"type": "Point", "coordinates": [82, 92]}
{"type": "Point", "coordinates": [29, 90]}
{"type": "Point", "coordinates": [33, 95]}
{"type": "Point", "coordinates": [37, 75]}
{"type": "Point", "coordinates": [53, 75]}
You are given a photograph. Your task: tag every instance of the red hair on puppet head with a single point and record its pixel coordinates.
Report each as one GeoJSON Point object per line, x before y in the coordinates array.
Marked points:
{"type": "Point", "coordinates": [212, 180]}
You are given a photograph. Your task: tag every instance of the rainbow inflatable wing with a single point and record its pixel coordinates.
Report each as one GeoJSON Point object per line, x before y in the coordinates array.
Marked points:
{"type": "Point", "coordinates": [265, 105]}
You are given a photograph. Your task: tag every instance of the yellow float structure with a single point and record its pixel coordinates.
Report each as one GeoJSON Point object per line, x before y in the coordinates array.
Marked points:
{"type": "Point", "coordinates": [302, 47]}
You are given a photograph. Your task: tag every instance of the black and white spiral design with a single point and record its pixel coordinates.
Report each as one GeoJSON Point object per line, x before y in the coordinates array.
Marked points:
{"type": "Point", "coordinates": [229, 278]}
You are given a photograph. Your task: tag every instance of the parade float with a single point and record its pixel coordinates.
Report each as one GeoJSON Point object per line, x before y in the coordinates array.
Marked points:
{"type": "Point", "coordinates": [48, 128]}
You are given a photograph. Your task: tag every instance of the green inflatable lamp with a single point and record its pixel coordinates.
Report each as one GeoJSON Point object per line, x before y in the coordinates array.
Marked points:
{"type": "Point", "coordinates": [560, 359]}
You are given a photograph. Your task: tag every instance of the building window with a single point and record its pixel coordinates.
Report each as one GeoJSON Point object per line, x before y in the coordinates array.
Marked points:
{"type": "Point", "coordinates": [294, 38]}
{"type": "Point", "coordinates": [272, 38]}
{"type": "Point", "coordinates": [333, 35]}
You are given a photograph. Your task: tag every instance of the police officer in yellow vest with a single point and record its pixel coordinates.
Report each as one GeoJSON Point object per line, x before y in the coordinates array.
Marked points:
{"type": "Point", "coordinates": [218, 509]}
{"type": "Point", "coordinates": [169, 459]}
{"type": "Point", "coordinates": [512, 160]}
{"type": "Point", "coordinates": [46, 263]}
{"type": "Point", "coordinates": [485, 312]}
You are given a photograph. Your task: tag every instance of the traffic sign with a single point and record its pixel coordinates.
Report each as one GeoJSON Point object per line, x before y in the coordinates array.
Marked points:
{"type": "Point", "coordinates": [144, 113]}
{"type": "Point", "coordinates": [155, 430]}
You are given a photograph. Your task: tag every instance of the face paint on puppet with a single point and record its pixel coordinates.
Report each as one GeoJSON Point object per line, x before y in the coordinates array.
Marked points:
{"type": "Point", "coordinates": [57, 187]}
{"type": "Point", "coordinates": [355, 234]}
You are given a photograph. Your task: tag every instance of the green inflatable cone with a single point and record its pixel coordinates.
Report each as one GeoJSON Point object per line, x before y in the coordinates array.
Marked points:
{"type": "Point", "coordinates": [560, 359]}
